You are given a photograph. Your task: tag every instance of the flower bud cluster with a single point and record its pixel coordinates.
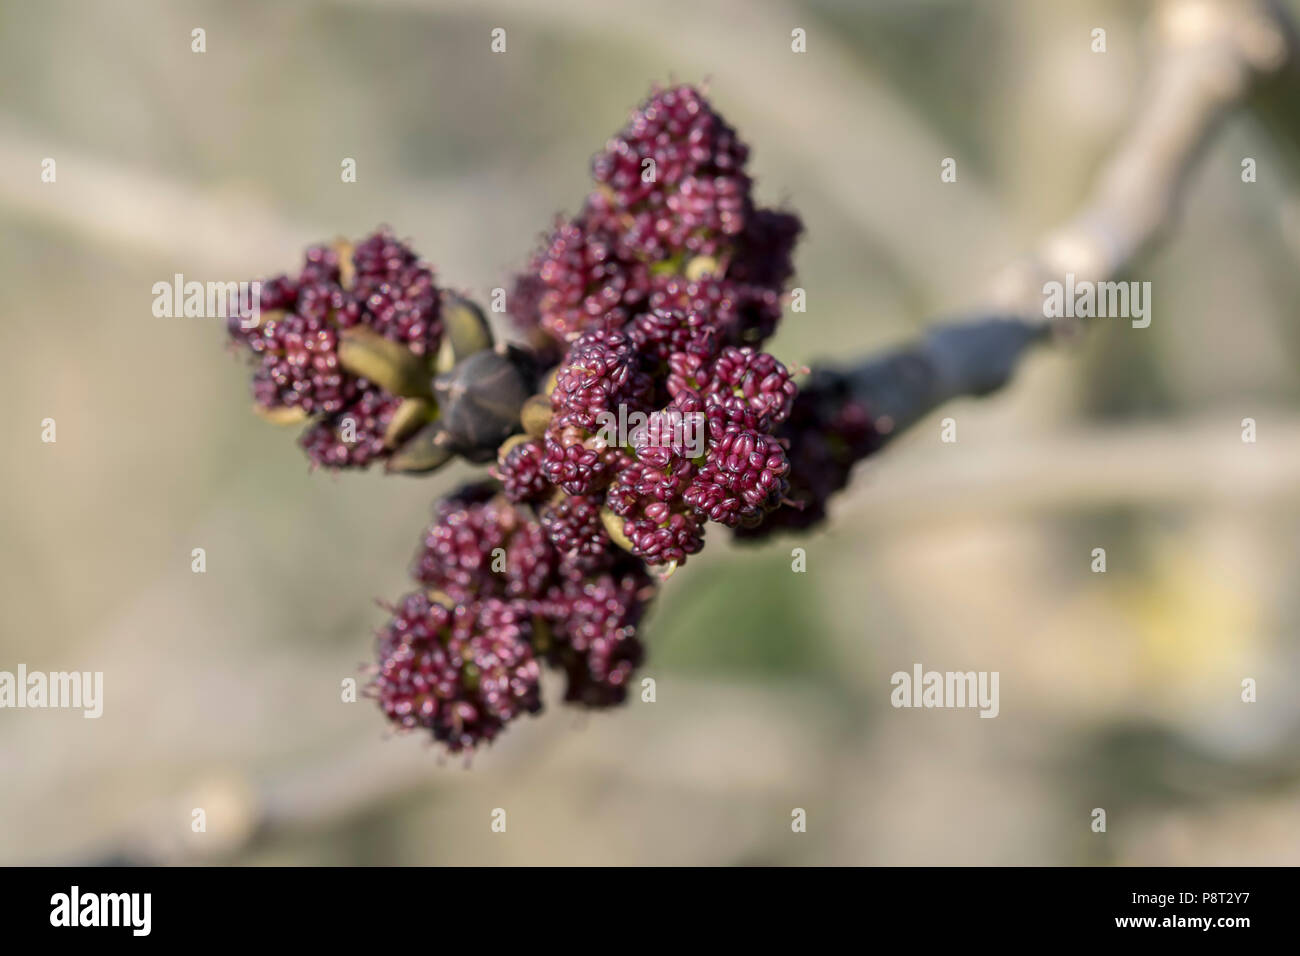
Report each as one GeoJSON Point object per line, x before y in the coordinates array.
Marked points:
{"type": "Point", "coordinates": [657, 298]}
{"type": "Point", "coordinates": [670, 224]}
{"type": "Point", "coordinates": [380, 285]}
{"type": "Point", "coordinates": [462, 656]}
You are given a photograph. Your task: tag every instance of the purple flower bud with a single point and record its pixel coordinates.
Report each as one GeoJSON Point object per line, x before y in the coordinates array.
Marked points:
{"type": "Point", "coordinates": [743, 477]}
{"type": "Point", "coordinates": [480, 548]}
{"type": "Point", "coordinates": [827, 433]}
{"type": "Point", "coordinates": [575, 530]}
{"type": "Point", "coordinates": [600, 372]}
{"type": "Point", "coordinates": [595, 623]}
{"type": "Point", "coordinates": [742, 312]}
{"type": "Point", "coordinates": [758, 379]}
{"type": "Point", "coordinates": [662, 529]}
{"type": "Point", "coordinates": [382, 285]}
{"type": "Point", "coordinates": [520, 473]}
{"type": "Point", "coordinates": [764, 255]}
{"type": "Point", "coordinates": [461, 672]}
{"type": "Point", "coordinates": [671, 225]}
{"type": "Point", "coordinates": [576, 460]}
{"type": "Point", "coordinates": [354, 437]}
{"type": "Point", "coordinates": [661, 333]}
{"type": "Point", "coordinates": [678, 131]}
{"type": "Point", "coordinates": [585, 281]}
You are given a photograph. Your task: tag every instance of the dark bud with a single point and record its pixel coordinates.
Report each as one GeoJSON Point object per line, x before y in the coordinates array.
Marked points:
{"type": "Point", "coordinates": [480, 400]}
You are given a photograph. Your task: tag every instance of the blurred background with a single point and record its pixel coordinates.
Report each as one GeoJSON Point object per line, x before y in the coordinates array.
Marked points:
{"type": "Point", "coordinates": [222, 690]}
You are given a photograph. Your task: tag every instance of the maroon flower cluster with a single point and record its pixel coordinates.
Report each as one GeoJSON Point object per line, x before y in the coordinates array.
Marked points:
{"type": "Point", "coordinates": [462, 656]}
{"type": "Point", "coordinates": [670, 225]}
{"type": "Point", "coordinates": [460, 671]}
{"type": "Point", "coordinates": [828, 432]}
{"type": "Point", "coordinates": [704, 448]}
{"type": "Point", "coordinates": [661, 414]}
{"type": "Point", "coordinates": [660, 293]}
{"type": "Point", "coordinates": [380, 284]}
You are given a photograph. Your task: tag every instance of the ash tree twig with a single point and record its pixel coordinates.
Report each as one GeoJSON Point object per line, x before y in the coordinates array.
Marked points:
{"type": "Point", "coordinates": [952, 360]}
{"type": "Point", "coordinates": [1211, 55]}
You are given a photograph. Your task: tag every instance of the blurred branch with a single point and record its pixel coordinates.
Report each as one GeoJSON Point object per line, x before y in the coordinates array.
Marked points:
{"type": "Point", "coordinates": [1275, 105]}
{"type": "Point", "coordinates": [970, 358]}
{"type": "Point", "coordinates": [1185, 465]}
{"type": "Point", "coordinates": [1210, 56]}
{"type": "Point", "coordinates": [233, 228]}
{"type": "Point", "coordinates": [140, 211]}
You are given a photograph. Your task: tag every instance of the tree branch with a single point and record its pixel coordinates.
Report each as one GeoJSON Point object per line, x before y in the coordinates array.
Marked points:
{"type": "Point", "coordinates": [1210, 55]}
{"type": "Point", "coordinates": [966, 358]}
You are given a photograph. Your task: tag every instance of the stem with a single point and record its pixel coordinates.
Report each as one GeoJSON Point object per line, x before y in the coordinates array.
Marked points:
{"type": "Point", "coordinates": [971, 358]}
{"type": "Point", "coordinates": [1210, 56]}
